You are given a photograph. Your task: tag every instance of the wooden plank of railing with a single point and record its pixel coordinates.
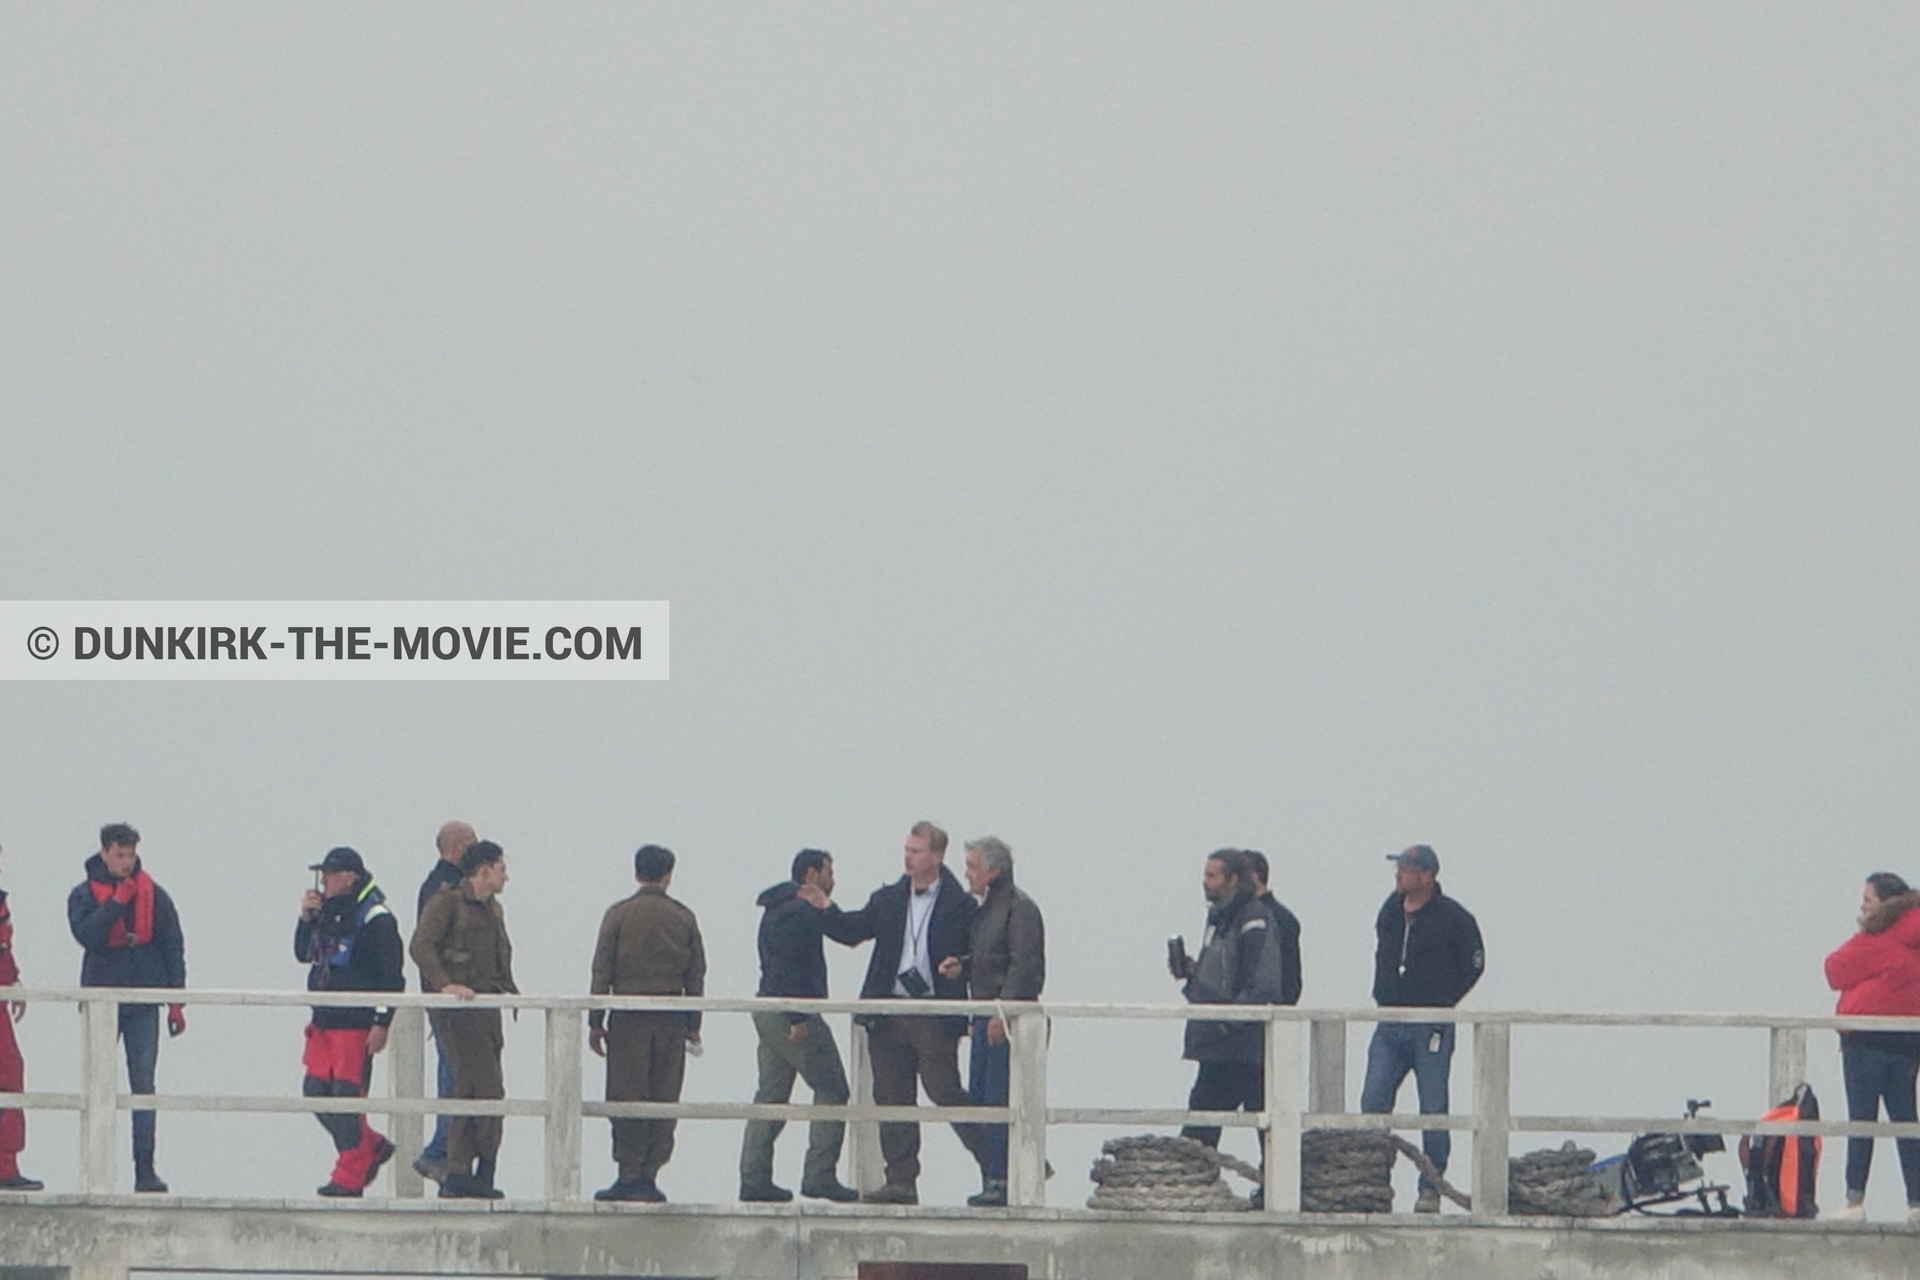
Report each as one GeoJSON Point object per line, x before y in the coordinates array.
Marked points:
{"type": "Point", "coordinates": [564, 1031]}
{"type": "Point", "coordinates": [406, 1079]}
{"type": "Point", "coordinates": [98, 1075]}
{"type": "Point", "coordinates": [1027, 1099]}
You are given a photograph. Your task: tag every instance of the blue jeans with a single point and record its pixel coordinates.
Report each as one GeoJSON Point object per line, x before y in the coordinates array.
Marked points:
{"type": "Point", "coordinates": [1879, 1067]}
{"type": "Point", "coordinates": [989, 1073]}
{"type": "Point", "coordinates": [140, 1035]}
{"type": "Point", "coordinates": [1426, 1049]}
{"type": "Point", "coordinates": [436, 1148]}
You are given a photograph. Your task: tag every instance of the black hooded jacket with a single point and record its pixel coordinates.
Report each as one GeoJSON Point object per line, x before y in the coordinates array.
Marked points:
{"type": "Point", "coordinates": [792, 960]}
{"type": "Point", "coordinates": [352, 944]}
{"type": "Point", "coordinates": [161, 962]}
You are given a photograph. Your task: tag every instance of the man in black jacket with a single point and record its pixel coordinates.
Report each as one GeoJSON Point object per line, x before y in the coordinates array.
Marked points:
{"type": "Point", "coordinates": [1428, 955]}
{"type": "Point", "coordinates": [1287, 924]}
{"type": "Point", "coordinates": [451, 843]}
{"type": "Point", "coordinates": [350, 942]}
{"type": "Point", "coordinates": [796, 1044]}
{"type": "Point", "coordinates": [131, 934]}
{"type": "Point", "coordinates": [914, 923]}
{"type": "Point", "coordinates": [1239, 963]}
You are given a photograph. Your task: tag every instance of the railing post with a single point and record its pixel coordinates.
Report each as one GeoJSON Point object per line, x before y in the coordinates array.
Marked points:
{"type": "Point", "coordinates": [1327, 1067]}
{"type": "Point", "coordinates": [406, 1078]}
{"type": "Point", "coordinates": [1282, 1193]}
{"type": "Point", "coordinates": [1027, 1096]}
{"type": "Point", "coordinates": [1786, 1062]}
{"type": "Point", "coordinates": [98, 1076]}
{"type": "Point", "coordinates": [1492, 1113]}
{"type": "Point", "coordinates": [565, 1028]}
{"type": "Point", "coordinates": [869, 1167]}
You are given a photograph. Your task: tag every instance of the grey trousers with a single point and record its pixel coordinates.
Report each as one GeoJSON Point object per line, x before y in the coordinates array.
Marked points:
{"type": "Point", "coordinates": [814, 1059]}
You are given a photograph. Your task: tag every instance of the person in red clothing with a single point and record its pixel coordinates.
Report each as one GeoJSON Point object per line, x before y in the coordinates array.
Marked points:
{"type": "Point", "coordinates": [350, 942]}
{"type": "Point", "coordinates": [13, 1068]}
{"type": "Point", "coordinates": [1877, 972]}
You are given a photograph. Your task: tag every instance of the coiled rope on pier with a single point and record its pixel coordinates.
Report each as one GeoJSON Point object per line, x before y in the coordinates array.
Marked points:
{"type": "Point", "coordinates": [1560, 1183]}
{"type": "Point", "coordinates": [1152, 1173]}
{"type": "Point", "coordinates": [1351, 1171]}
{"type": "Point", "coordinates": [1341, 1171]}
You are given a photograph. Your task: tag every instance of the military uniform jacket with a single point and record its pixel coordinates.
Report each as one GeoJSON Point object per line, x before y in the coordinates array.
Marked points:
{"type": "Point", "coordinates": [649, 946]}
{"type": "Point", "coordinates": [463, 940]}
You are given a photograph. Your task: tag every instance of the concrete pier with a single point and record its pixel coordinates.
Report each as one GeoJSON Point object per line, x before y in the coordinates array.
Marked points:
{"type": "Point", "coordinates": [96, 1238]}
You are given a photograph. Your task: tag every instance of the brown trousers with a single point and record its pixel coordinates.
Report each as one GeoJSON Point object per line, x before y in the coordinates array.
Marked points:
{"type": "Point", "coordinates": [902, 1048]}
{"type": "Point", "coordinates": [646, 1062]}
{"type": "Point", "coordinates": [472, 1040]}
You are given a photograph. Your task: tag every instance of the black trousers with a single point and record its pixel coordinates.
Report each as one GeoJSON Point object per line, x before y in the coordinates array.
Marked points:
{"type": "Point", "coordinates": [1225, 1086]}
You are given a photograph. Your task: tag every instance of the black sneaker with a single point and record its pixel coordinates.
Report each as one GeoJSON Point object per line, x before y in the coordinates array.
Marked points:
{"type": "Point", "coordinates": [833, 1191]}
{"type": "Point", "coordinates": [334, 1191]}
{"type": "Point", "coordinates": [20, 1182]}
{"type": "Point", "coordinates": [637, 1189]}
{"type": "Point", "coordinates": [764, 1193]}
{"type": "Point", "coordinates": [464, 1186]}
{"type": "Point", "coordinates": [993, 1195]}
{"type": "Point", "coordinates": [146, 1180]}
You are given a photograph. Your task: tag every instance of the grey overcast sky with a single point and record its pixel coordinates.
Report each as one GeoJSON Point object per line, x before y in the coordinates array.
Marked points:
{"type": "Point", "coordinates": [1127, 430]}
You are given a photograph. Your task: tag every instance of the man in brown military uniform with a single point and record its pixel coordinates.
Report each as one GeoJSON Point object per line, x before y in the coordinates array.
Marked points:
{"type": "Point", "coordinates": [462, 948]}
{"type": "Point", "coordinates": [649, 945]}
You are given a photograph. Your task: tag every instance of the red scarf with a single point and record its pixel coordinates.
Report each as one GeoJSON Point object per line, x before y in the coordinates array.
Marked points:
{"type": "Point", "coordinates": [142, 932]}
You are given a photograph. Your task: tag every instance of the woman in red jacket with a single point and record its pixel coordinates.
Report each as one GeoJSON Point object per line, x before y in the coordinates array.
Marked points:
{"type": "Point", "coordinates": [1877, 971]}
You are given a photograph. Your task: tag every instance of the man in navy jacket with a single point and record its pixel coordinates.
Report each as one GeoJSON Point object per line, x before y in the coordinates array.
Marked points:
{"type": "Point", "coordinates": [1428, 954]}
{"type": "Point", "coordinates": [914, 923]}
{"type": "Point", "coordinates": [131, 934]}
{"type": "Point", "coordinates": [796, 1043]}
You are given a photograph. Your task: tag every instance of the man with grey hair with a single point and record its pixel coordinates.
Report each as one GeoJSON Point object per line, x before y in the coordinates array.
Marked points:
{"type": "Point", "coordinates": [1008, 962]}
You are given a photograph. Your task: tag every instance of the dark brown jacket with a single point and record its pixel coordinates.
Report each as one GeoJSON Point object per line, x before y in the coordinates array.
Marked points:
{"type": "Point", "coordinates": [649, 946]}
{"type": "Point", "coordinates": [461, 939]}
{"type": "Point", "coordinates": [1009, 945]}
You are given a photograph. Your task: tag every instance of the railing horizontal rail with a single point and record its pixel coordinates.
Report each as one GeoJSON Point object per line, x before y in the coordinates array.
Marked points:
{"type": "Point", "coordinates": [213, 996]}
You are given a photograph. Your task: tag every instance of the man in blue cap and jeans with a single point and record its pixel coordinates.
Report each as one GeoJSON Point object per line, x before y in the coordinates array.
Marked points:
{"type": "Point", "coordinates": [1428, 955]}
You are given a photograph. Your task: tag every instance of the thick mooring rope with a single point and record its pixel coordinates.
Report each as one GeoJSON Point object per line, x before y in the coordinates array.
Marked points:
{"type": "Point", "coordinates": [1560, 1183]}
{"type": "Point", "coordinates": [1167, 1175]}
{"type": "Point", "coordinates": [1341, 1171]}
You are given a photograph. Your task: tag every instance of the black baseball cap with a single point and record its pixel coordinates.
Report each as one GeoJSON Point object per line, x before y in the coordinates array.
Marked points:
{"type": "Point", "coordinates": [341, 859]}
{"type": "Point", "coordinates": [1420, 856]}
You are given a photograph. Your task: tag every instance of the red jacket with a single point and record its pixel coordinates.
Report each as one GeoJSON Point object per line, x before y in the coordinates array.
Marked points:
{"type": "Point", "coordinates": [1877, 970]}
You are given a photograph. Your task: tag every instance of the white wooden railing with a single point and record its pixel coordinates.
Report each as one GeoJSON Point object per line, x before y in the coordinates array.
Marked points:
{"type": "Point", "coordinates": [1305, 1067]}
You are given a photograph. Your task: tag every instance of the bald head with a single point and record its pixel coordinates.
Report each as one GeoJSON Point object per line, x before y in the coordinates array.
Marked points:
{"type": "Point", "coordinates": [455, 838]}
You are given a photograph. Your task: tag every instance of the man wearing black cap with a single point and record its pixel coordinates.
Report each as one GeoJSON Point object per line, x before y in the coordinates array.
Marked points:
{"type": "Point", "coordinates": [1428, 955]}
{"type": "Point", "coordinates": [350, 942]}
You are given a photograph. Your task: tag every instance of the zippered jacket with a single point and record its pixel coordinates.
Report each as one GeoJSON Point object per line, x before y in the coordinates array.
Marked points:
{"type": "Point", "coordinates": [1239, 963]}
{"type": "Point", "coordinates": [1430, 959]}
{"type": "Point", "coordinates": [1877, 970]}
{"type": "Point", "coordinates": [792, 959]}
{"type": "Point", "coordinates": [352, 944]}
{"type": "Point", "coordinates": [116, 958]}
{"type": "Point", "coordinates": [1009, 944]}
